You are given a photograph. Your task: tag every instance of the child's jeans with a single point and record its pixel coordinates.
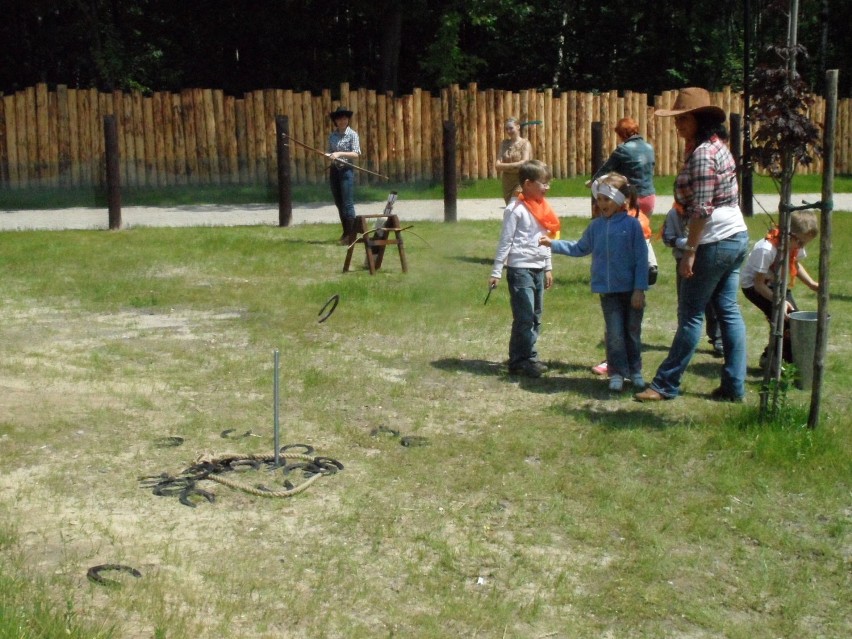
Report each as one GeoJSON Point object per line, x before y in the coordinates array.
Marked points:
{"type": "Point", "coordinates": [765, 305]}
{"type": "Point", "coordinates": [623, 334]}
{"type": "Point", "coordinates": [526, 291]}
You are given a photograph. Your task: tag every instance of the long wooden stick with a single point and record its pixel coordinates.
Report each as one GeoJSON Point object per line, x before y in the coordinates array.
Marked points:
{"type": "Point", "coordinates": [325, 155]}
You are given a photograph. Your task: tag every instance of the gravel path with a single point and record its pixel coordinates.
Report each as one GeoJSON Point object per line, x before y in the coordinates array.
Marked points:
{"type": "Point", "coordinates": [265, 214]}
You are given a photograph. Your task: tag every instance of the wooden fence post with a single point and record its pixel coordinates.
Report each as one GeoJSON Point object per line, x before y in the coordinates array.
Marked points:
{"type": "Point", "coordinates": [285, 193]}
{"type": "Point", "coordinates": [113, 176]}
{"type": "Point", "coordinates": [450, 172]}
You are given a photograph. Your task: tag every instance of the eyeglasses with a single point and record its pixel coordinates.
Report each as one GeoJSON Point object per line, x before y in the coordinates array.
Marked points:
{"type": "Point", "coordinates": [544, 185]}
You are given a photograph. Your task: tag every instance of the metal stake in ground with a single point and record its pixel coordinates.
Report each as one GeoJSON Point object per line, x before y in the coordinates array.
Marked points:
{"type": "Point", "coordinates": [275, 437]}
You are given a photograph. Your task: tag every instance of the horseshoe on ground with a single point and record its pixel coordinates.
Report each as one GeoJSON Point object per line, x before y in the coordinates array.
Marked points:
{"type": "Point", "coordinates": [93, 574]}
{"type": "Point", "coordinates": [333, 300]}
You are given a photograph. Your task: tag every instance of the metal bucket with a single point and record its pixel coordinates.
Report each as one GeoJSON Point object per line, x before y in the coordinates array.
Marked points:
{"type": "Point", "coordinates": [803, 327]}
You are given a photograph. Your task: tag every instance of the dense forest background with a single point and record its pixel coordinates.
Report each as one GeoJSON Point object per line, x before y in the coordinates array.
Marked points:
{"type": "Point", "coordinates": [395, 45]}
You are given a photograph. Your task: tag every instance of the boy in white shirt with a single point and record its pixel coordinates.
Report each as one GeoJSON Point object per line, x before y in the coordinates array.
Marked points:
{"type": "Point", "coordinates": [528, 265]}
{"type": "Point", "coordinates": [763, 264]}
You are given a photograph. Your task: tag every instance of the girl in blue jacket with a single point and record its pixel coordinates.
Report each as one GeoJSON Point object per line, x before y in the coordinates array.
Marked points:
{"type": "Point", "coordinates": [619, 253]}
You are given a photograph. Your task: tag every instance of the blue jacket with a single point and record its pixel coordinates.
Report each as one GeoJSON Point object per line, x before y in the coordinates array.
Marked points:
{"type": "Point", "coordinates": [635, 160]}
{"type": "Point", "coordinates": [619, 253]}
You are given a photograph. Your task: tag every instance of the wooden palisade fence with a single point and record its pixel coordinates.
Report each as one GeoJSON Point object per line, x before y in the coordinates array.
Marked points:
{"type": "Point", "coordinates": [54, 138]}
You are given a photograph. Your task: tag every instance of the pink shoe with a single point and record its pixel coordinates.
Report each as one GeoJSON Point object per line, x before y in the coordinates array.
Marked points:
{"type": "Point", "coordinates": [600, 369]}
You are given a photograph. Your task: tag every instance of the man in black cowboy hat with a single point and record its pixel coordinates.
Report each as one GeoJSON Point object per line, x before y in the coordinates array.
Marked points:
{"type": "Point", "coordinates": [343, 148]}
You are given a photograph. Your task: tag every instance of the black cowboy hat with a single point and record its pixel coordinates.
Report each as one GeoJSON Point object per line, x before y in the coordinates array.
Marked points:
{"type": "Point", "coordinates": [340, 112]}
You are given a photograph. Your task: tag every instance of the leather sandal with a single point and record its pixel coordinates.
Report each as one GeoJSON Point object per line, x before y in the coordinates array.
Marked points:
{"type": "Point", "coordinates": [649, 395]}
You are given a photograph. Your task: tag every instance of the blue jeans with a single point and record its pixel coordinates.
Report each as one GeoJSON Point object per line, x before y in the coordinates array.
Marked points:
{"type": "Point", "coordinates": [526, 293]}
{"type": "Point", "coordinates": [342, 182]}
{"type": "Point", "coordinates": [716, 280]}
{"type": "Point", "coordinates": [623, 334]}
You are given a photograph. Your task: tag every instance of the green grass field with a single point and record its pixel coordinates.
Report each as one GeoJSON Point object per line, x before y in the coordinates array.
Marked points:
{"type": "Point", "coordinates": [538, 508]}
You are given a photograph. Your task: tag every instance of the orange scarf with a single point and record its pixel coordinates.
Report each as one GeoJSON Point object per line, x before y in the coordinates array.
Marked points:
{"type": "Point", "coordinates": [774, 236]}
{"type": "Point", "coordinates": [544, 213]}
{"type": "Point", "coordinates": [643, 221]}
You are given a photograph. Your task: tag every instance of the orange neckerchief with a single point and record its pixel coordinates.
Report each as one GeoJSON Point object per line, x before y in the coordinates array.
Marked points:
{"type": "Point", "coordinates": [544, 213]}
{"type": "Point", "coordinates": [643, 221]}
{"type": "Point", "coordinates": [774, 236]}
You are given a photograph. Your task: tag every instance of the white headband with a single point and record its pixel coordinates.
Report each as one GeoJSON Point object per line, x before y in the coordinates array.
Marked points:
{"type": "Point", "coordinates": [608, 191]}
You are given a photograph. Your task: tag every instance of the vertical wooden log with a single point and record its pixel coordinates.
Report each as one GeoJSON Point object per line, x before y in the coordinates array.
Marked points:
{"type": "Point", "coordinates": [571, 134]}
{"type": "Point", "coordinates": [297, 130]}
{"type": "Point", "coordinates": [426, 129]}
{"type": "Point", "coordinates": [126, 142]}
{"type": "Point", "coordinates": [64, 133]}
{"type": "Point", "coordinates": [84, 129]}
{"type": "Point", "coordinates": [190, 147]}
{"type": "Point", "coordinates": [450, 173]}
{"type": "Point", "coordinates": [42, 137]}
{"type": "Point", "coordinates": [287, 109]}
{"type": "Point", "coordinates": [138, 128]}
{"type": "Point", "coordinates": [168, 118]}
{"type": "Point", "coordinates": [158, 160]}
{"type": "Point", "coordinates": [251, 155]}
{"type": "Point", "coordinates": [382, 135]}
{"type": "Point", "coordinates": [101, 104]}
{"type": "Point", "coordinates": [270, 114]}
{"type": "Point", "coordinates": [113, 172]}
{"type": "Point", "coordinates": [31, 118]}
{"type": "Point", "coordinates": [481, 148]}
{"type": "Point", "coordinates": [399, 141]}
{"type": "Point", "coordinates": [229, 134]}
{"type": "Point", "coordinates": [179, 119]}
{"type": "Point", "coordinates": [12, 146]}
{"type": "Point", "coordinates": [212, 126]}
{"type": "Point", "coordinates": [363, 116]}
{"type": "Point", "coordinates": [315, 167]}
{"type": "Point", "coordinates": [548, 128]}
{"type": "Point", "coordinates": [240, 115]}
{"type": "Point", "coordinates": [597, 146]}
{"type": "Point", "coordinates": [149, 143]}
{"type": "Point", "coordinates": [4, 148]}
{"type": "Point", "coordinates": [52, 169]}
{"type": "Point", "coordinates": [285, 191]}
{"type": "Point", "coordinates": [202, 137]}
{"type": "Point", "coordinates": [370, 146]}
{"type": "Point", "coordinates": [221, 134]}
{"type": "Point", "coordinates": [406, 125]}
{"type": "Point", "coordinates": [416, 135]}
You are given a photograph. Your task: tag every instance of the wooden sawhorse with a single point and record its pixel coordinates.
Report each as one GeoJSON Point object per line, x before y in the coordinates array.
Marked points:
{"type": "Point", "coordinates": [377, 239]}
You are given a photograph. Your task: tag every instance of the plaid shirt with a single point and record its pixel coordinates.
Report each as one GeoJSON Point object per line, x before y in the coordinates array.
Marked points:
{"type": "Point", "coordinates": [346, 141]}
{"type": "Point", "coordinates": [707, 180]}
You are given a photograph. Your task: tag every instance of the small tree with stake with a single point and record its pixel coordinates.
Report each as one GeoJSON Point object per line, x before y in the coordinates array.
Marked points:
{"type": "Point", "coordinates": [785, 139]}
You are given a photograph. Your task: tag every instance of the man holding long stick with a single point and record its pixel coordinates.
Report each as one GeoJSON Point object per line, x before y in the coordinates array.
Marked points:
{"type": "Point", "coordinates": [343, 147]}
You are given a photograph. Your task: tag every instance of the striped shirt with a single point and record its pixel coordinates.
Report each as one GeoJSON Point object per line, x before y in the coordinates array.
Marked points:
{"type": "Point", "coordinates": [708, 180]}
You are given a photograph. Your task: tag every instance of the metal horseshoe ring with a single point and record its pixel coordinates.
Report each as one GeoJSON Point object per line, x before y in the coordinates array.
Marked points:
{"type": "Point", "coordinates": [333, 300]}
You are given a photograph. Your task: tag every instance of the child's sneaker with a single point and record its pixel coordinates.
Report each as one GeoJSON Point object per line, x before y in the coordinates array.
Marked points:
{"type": "Point", "coordinates": [616, 383]}
{"type": "Point", "coordinates": [638, 381]}
{"type": "Point", "coordinates": [600, 369]}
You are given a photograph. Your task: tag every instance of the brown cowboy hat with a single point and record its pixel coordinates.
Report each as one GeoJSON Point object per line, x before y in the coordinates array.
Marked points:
{"type": "Point", "coordinates": [692, 100]}
{"type": "Point", "coordinates": [340, 112]}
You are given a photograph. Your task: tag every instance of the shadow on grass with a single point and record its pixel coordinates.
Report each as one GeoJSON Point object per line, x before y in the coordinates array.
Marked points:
{"type": "Point", "coordinates": [617, 416]}
{"type": "Point", "coordinates": [474, 260]}
{"type": "Point", "coordinates": [474, 366]}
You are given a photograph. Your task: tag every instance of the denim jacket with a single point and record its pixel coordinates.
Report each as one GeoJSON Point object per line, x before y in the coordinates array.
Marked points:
{"type": "Point", "coordinates": [635, 160]}
{"type": "Point", "coordinates": [619, 253]}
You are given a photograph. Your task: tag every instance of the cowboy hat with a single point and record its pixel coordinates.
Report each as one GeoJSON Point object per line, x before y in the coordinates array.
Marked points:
{"type": "Point", "coordinates": [693, 100]}
{"type": "Point", "coordinates": [340, 112]}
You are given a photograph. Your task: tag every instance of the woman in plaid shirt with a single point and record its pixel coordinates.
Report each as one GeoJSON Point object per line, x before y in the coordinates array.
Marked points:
{"type": "Point", "coordinates": [706, 190]}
